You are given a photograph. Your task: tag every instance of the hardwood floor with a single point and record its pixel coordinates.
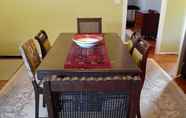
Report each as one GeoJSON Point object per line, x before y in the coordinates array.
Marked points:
{"type": "Point", "coordinates": [8, 67]}
{"type": "Point", "coordinates": [2, 83]}
{"type": "Point", "coordinates": [169, 64]}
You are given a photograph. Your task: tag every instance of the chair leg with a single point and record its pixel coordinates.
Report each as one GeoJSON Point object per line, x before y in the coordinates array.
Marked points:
{"type": "Point", "coordinates": [36, 105]}
{"type": "Point", "coordinates": [138, 110]}
{"type": "Point", "coordinates": [44, 101]}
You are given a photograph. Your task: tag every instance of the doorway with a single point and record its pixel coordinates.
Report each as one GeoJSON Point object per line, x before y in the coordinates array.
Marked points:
{"type": "Point", "coordinates": [167, 60]}
{"type": "Point", "coordinates": [145, 16]}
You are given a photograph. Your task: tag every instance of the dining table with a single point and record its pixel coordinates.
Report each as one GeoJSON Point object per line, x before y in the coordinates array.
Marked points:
{"type": "Point", "coordinates": [121, 62]}
{"type": "Point", "coordinates": [116, 61]}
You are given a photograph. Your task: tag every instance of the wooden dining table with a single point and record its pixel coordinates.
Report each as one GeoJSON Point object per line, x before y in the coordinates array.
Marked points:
{"type": "Point", "coordinates": [120, 59]}
{"type": "Point", "coordinates": [121, 63]}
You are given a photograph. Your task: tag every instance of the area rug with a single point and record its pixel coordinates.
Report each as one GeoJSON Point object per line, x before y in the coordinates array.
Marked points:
{"type": "Point", "coordinates": [160, 97]}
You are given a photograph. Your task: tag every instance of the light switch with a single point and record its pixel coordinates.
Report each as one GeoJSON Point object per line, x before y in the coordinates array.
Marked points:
{"type": "Point", "coordinates": [117, 2]}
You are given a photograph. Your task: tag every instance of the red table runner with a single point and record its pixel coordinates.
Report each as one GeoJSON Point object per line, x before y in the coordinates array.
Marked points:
{"type": "Point", "coordinates": [95, 57]}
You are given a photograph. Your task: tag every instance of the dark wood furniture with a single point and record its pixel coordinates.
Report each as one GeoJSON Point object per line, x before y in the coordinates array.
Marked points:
{"type": "Point", "coordinates": [32, 60]}
{"type": "Point", "coordinates": [121, 60]}
{"type": "Point", "coordinates": [147, 22]}
{"type": "Point", "coordinates": [89, 25]}
{"type": "Point", "coordinates": [142, 47]}
{"type": "Point", "coordinates": [131, 10]}
{"type": "Point", "coordinates": [43, 41]}
{"type": "Point", "coordinates": [92, 97]}
{"type": "Point", "coordinates": [140, 55]}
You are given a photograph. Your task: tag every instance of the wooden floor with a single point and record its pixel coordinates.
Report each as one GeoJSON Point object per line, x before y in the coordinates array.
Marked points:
{"type": "Point", "coordinates": [8, 66]}
{"type": "Point", "coordinates": [169, 64]}
{"type": "Point", "coordinates": [2, 83]}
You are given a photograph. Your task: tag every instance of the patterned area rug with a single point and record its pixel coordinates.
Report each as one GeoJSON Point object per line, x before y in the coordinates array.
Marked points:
{"type": "Point", "coordinates": [160, 98]}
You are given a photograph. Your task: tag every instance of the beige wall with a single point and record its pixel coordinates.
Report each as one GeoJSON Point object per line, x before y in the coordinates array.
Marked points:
{"type": "Point", "coordinates": [21, 19]}
{"type": "Point", "coordinates": [174, 25]}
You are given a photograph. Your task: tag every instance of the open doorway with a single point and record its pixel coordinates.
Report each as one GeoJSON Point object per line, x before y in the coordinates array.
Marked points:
{"type": "Point", "coordinates": [170, 61]}
{"type": "Point", "coordinates": [148, 17]}
{"type": "Point", "coordinates": [144, 16]}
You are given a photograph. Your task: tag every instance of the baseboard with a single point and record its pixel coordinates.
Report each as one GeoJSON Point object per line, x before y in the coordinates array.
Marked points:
{"type": "Point", "coordinates": [10, 57]}
{"type": "Point", "coordinates": [175, 53]}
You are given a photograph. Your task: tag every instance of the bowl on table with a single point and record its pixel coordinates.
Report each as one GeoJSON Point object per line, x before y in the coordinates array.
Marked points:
{"type": "Point", "coordinates": [87, 41]}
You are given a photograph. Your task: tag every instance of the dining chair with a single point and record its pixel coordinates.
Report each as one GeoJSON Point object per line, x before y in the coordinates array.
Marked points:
{"type": "Point", "coordinates": [89, 25]}
{"type": "Point", "coordinates": [132, 41]}
{"type": "Point", "coordinates": [140, 55]}
{"type": "Point", "coordinates": [43, 41]}
{"type": "Point", "coordinates": [92, 97]}
{"type": "Point", "coordinates": [32, 60]}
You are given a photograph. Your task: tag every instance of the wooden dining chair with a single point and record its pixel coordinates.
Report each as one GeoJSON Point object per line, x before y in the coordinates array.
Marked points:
{"type": "Point", "coordinates": [43, 41]}
{"type": "Point", "coordinates": [32, 60]}
{"type": "Point", "coordinates": [140, 55]}
{"type": "Point", "coordinates": [91, 97]}
{"type": "Point", "coordinates": [89, 25]}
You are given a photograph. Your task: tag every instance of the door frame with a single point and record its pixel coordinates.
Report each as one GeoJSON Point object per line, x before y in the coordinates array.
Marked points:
{"type": "Point", "coordinates": [181, 47]}
{"type": "Point", "coordinates": [160, 26]}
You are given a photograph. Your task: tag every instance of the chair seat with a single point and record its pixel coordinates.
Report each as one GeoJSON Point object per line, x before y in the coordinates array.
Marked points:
{"type": "Point", "coordinates": [137, 57]}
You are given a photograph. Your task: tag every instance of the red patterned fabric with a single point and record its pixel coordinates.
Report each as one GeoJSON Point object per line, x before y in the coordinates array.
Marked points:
{"type": "Point", "coordinates": [95, 57]}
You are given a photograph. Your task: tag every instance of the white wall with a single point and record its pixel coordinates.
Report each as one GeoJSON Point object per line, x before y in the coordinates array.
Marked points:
{"type": "Point", "coordinates": [132, 2]}
{"type": "Point", "coordinates": [153, 4]}
{"type": "Point", "coordinates": [173, 28]}
{"type": "Point", "coordinates": [149, 4]}
{"type": "Point", "coordinates": [142, 4]}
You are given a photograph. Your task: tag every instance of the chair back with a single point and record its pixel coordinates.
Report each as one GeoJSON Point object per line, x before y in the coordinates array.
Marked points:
{"type": "Point", "coordinates": [136, 36]}
{"type": "Point", "coordinates": [89, 25]}
{"type": "Point", "coordinates": [43, 41]}
{"type": "Point", "coordinates": [89, 97]}
{"type": "Point", "coordinates": [133, 40]}
{"type": "Point", "coordinates": [30, 57]}
{"type": "Point", "coordinates": [140, 54]}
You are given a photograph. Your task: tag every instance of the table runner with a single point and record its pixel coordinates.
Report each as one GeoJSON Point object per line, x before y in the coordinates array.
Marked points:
{"type": "Point", "coordinates": [95, 57]}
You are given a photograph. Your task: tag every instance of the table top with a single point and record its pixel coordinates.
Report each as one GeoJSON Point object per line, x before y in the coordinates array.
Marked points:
{"type": "Point", "coordinates": [120, 58]}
